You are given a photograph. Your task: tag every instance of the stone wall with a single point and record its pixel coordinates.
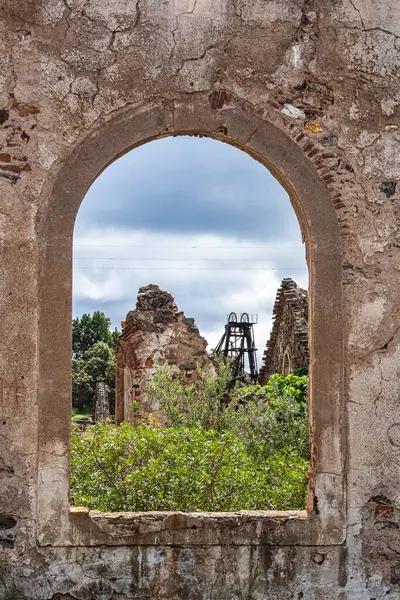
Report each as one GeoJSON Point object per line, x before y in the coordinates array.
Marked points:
{"type": "Point", "coordinates": [155, 334]}
{"type": "Point", "coordinates": [287, 346]}
{"type": "Point", "coordinates": [311, 90]}
{"type": "Point", "coordinates": [101, 402]}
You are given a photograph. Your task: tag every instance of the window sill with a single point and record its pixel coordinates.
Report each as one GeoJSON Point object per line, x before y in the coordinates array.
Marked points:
{"type": "Point", "coordinates": [242, 528]}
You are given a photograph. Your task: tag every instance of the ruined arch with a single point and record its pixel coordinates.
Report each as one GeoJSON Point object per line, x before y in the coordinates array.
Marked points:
{"type": "Point", "coordinates": [278, 151]}
{"type": "Point", "coordinates": [287, 362]}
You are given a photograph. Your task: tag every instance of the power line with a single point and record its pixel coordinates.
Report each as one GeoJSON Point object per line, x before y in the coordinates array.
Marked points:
{"type": "Point", "coordinates": [186, 247]}
{"type": "Point", "coordinates": [170, 259]}
{"type": "Point", "coordinates": [180, 269]}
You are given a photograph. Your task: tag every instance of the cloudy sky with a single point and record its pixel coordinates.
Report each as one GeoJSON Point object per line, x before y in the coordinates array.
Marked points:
{"type": "Point", "coordinates": [199, 218]}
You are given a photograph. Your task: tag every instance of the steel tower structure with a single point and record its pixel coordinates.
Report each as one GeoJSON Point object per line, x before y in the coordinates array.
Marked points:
{"type": "Point", "coordinates": [237, 344]}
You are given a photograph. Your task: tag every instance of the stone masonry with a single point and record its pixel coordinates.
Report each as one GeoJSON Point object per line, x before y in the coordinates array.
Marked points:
{"type": "Point", "coordinates": [101, 402]}
{"type": "Point", "coordinates": [287, 346]}
{"type": "Point", "coordinates": [156, 333]}
{"type": "Point", "coordinates": [310, 89]}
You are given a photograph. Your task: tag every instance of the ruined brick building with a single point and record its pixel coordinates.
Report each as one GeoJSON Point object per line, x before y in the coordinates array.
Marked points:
{"type": "Point", "coordinates": [154, 334]}
{"type": "Point", "coordinates": [310, 89]}
{"type": "Point", "coordinates": [287, 346]}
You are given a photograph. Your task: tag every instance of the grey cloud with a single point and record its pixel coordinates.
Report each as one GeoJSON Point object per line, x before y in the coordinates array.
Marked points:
{"type": "Point", "coordinates": [192, 185]}
{"type": "Point", "coordinates": [185, 192]}
{"type": "Point", "coordinates": [207, 297]}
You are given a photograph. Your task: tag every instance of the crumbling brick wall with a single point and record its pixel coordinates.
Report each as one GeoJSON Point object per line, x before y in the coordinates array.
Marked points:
{"type": "Point", "coordinates": [155, 334]}
{"type": "Point", "coordinates": [287, 346]}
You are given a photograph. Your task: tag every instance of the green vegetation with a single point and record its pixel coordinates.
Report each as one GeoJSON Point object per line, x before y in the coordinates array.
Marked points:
{"type": "Point", "coordinates": [293, 385]}
{"type": "Point", "coordinates": [83, 414]}
{"type": "Point", "coordinates": [178, 468]}
{"type": "Point", "coordinates": [92, 359]}
{"type": "Point", "coordinates": [265, 420]}
{"type": "Point", "coordinates": [87, 331]}
{"type": "Point", "coordinates": [248, 451]}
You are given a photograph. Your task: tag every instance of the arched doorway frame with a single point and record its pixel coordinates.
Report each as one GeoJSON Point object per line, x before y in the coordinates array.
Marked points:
{"type": "Point", "coordinates": [287, 362]}
{"type": "Point", "coordinates": [240, 126]}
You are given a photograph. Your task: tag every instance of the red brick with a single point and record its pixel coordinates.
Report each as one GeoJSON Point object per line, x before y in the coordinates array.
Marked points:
{"type": "Point", "coordinates": [384, 511]}
{"type": "Point", "coordinates": [11, 168]}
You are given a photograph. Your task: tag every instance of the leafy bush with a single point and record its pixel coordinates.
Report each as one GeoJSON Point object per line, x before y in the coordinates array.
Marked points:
{"type": "Point", "coordinates": [295, 386]}
{"type": "Point", "coordinates": [202, 403]}
{"type": "Point", "coordinates": [180, 468]}
{"type": "Point", "coordinates": [245, 451]}
{"type": "Point", "coordinates": [266, 418]}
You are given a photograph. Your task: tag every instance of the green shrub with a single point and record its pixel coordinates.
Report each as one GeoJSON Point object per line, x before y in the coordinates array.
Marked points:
{"type": "Point", "coordinates": [197, 404]}
{"type": "Point", "coordinates": [266, 418]}
{"type": "Point", "coordinates": [189, 469]}
{"type": "Point", "coordinates": [248, 450]}
{"type": "Point", "coordinates": [295, 386]}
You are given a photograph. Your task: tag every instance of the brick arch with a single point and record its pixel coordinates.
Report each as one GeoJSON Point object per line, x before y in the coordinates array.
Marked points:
{"type": "Point", "coordinates": [314, 207]}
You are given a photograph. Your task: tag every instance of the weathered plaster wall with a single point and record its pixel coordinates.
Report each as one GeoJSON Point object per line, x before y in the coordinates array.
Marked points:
{"type": "Point", "coordinates": [154, 334]}
{"type": "Point", "coordinates": [287, 346]}
{"type": "Point", "coordinates": [327, 75]}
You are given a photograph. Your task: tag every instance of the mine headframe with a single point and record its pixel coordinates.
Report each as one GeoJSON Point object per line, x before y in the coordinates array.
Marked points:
{"type": "Point", "coordinates": [237, 345]}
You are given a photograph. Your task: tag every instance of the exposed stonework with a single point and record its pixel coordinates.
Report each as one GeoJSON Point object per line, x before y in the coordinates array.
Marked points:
{"type": "Point", "coordinates": [287, 347]}
{"type": "Point", "coordinates": [309, 88]}
{"type": "Point", "coordinates": [101, 402]}
{"type": "Point", "coordinates": [154, 334]}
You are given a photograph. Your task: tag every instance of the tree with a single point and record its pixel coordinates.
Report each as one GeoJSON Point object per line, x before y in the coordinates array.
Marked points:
{"type": "Point", "coordinates": [87, 331]}
{"type": "Point", "coordinates": [98, 365]}
{"type": "Point", "coordinates": [82, 386]}
{"type": "Point", "coordinates": [92, 358]}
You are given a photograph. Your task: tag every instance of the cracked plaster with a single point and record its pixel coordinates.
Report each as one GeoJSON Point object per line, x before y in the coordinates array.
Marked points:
{"type": "Point", "coordinates": [69, 69]}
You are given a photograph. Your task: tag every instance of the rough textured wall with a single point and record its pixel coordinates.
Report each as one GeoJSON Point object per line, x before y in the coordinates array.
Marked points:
{"type": "Point", "coordinates": [326, 75]}
{"type": "Point", "coordinates": [155, 334]}
{"type": "Point", "coordinates": [101, 402]}
{"type": "Point", "coordinates": [287, 346]}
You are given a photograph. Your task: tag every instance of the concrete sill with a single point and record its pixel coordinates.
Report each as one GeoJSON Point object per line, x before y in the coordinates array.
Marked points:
{"type": "Point", "coordinates": [243, 528]}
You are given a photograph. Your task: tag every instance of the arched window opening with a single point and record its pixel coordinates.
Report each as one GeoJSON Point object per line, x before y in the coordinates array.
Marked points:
{"type": "Point", "coordinates": [283, 154]}
{"type": "Point", "coordinates": [171, 240]}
